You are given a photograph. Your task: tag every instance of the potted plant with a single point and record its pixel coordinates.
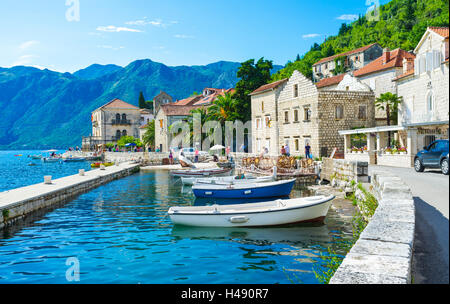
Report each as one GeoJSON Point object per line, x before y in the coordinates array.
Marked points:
{"type": "Point", "coordinates": [402, 150]}
{"type": "Point", "coordinates": [354, 149]}
{"type": "Point", "coordinates": [388, 150]}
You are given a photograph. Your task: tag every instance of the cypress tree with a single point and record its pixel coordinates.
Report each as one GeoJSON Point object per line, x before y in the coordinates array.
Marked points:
{"type": "Point", "coordinates": [142, 103]}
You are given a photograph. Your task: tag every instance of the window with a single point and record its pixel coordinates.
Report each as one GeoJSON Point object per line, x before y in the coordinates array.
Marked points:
{"type": "Point", "coordinates": [124, 117]}
{"type": "Point", "coordinates": [286, 116]}
{"type": "Point", "coordinates": [124, 133]}
{"type": "Point", "coordinates": [161, 123]}
{"type": "Point", "coordinates": [296, 90]}
{"type": "Point", "coordinates": [117, 118]}
{"type": "Point", "coordinates": [262, 106]}
{"type": "Point", "coordinates": [326, 66]}
{"type": "Point", "coordinates": [268, 122]}
{"type": "Point", "coordinates": [362, 113]}
{"type": "Point", "coordinates": [295, 115]}
{"type": "Point", "coordinates": [258, 123]}
{"type": "Point", "coordinates": [258, 145]}
{"type": "Point", "coordinates": [429, 139]}
{"type": "Point", "coordinates": [267, 144]}
{"type": "Point", "coordinates": [339, 112]}
{"type": "Point", "coordinates": [118, 134]}
{"type": "Point", "coordinates": [296, 144]}
{"type": "Point", "coordinates": [430, 104]}
{"type": "Point", "coordinates": [307, 114]}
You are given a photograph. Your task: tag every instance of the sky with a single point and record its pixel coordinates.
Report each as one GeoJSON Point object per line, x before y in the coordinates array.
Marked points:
{"type": "Point", "coordinates": [69, 35]}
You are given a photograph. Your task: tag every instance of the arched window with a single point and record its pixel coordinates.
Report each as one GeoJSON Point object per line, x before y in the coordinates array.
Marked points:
{"type": "Point", "coordinates": [118, 134]}
{"type": "Point", "coordinates": [124, 133]}
{"type": "Point", "coordinates": [117, 117]}
{"type": "Point", "coordinates": [124, 117]}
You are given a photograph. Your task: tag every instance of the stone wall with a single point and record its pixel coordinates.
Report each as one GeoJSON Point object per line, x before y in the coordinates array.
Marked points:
{"type": "Point", "coordinates": [383, 253]}
{"type": "Point", "coordinates": [148, 157]}
{"type": "Point", "coordinates": [342, 172]}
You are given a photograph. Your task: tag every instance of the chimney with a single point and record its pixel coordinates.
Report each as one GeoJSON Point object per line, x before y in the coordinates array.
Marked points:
{"type": "Point", "coordinates": [408, 64]}
{"type": "Point", "coordinates": [386, 55]}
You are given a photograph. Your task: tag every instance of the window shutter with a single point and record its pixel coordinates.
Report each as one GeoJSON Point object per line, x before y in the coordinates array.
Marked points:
{"type": "Point", "coordinates": [437, 59]}
{"type": "Point", "coordinates": [429, 62]}
{"type": "Point", "coordinates": [416, 67]}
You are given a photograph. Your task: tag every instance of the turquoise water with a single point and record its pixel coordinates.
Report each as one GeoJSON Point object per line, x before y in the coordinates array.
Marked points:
{"type": "Point", "coordinates": [119, 233]}
{"type": "Point", "coordinates": [15, 171]}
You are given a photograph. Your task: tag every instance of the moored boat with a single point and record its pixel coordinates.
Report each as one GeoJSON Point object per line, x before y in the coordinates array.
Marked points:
{"type": "Point", "coordinates": [227, 180]}
{"type": "Point", "coordinates": [51, 159]}
{"type": "Point", "coordinates": [272, 213]}
{"type": "Point", "coordinates": [201, 172]}
{"type": "Point", "coordinates": [246, 190]}
{"type": "Point", "coordinates": [74, 159]}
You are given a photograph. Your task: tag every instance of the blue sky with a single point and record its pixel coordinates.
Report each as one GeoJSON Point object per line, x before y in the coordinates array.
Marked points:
{"type": "Point", "coordinates": [174, 32]}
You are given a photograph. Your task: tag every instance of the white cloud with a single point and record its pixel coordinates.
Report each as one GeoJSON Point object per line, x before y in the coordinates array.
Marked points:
{"type": "Point", "coordinates": [310, 36]}
{"type": "Point", "coordinates": [115, 29]}
{"type": "Point", "coordinates": [157, 22]}
{"type": "Point", "coordinates": [28, 44]}
{"type": "Point", "coordinates": [349, 17]}
{"type": "Point", "coordinates": [24, 60]}
{"type": "Point", "coordinates": [179, 36]}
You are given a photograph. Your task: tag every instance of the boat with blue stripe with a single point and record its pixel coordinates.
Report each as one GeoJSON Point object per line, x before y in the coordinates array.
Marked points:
{"type": "Point", "coordinates": [247, 190]}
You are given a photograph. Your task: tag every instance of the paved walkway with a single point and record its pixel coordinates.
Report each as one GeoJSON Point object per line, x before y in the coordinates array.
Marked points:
{"type": "Point", "coordinates": [15, 196]}
{"type": "Point", "coordinates": [431, 196]}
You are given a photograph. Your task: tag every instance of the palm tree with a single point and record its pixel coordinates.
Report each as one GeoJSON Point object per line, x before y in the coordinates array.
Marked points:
{"type": "Point", "coordinates": [224, 108]}
{"type": "Point", "coordinates": [389, 102]}
{"type": "Point", "coordinates": [149, 136]}
{"type": "Point", "coordinates": [204, 117]}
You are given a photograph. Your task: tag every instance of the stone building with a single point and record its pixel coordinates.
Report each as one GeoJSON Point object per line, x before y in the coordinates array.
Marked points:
{"type": "Point", "coordinates": [161, 99]}
{"type": "Point", "coordinates": [352, 61]}
{"type": "Point", "coordinates": [111, 121]}
{"type": "Point", "coordinates": [298, 113]}
{"type": "Point", "coordinates": [180, 110]}
{"type": "Point", "coordinates": [424, 112]}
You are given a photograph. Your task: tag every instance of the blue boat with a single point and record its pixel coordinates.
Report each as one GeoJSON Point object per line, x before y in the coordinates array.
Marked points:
{"type": "Point", "coordinates": [241, 191]}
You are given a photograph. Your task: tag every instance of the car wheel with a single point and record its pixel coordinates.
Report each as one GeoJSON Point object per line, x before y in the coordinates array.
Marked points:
{"type": "Point", "coordinates": [418, 165]}
{"type": "Point", "coordinates": [444, 166]}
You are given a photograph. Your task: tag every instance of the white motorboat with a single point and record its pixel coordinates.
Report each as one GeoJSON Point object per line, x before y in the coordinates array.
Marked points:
{"type": "Point", "coordinates": [51, 159]}
{"type": "Point", "coordinates": [227, 180]}
{"type": "Point", "coordinates": [201, 172]}
{"type": "Point", "coordinates": [272, 213]}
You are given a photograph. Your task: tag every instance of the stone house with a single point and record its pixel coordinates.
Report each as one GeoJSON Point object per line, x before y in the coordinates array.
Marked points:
{"type": "Point", "coordinates": [298, 113]}
{"type": "Point", "coordinates": [180, 110]}
{"type": "Point", "coordinates": [111, 121]}
{"type": "Point", "coordinates": [161, 99]}
{"type": "Point", "coordinates": [424, 112]}
{"type": "Point", "coordinates": [353, 60]}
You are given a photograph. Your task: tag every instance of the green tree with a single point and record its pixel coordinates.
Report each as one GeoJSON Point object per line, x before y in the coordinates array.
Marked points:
{"type": "Point", "coordinates": [252, 76]}
{"type": "Point", "coordinates": [149, 135]}
{"type": "Point", "coordinates": [389, 102]}
{"type": "Point", "coordinates": [128, 140]}
{"type": "Point", "coordinates": [224, 108]}
{"type": "Point", "coordinates": [142, 103]}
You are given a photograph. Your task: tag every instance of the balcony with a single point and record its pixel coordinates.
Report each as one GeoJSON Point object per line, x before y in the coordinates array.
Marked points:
{"type": "Point", "coordinates": [123, 122]}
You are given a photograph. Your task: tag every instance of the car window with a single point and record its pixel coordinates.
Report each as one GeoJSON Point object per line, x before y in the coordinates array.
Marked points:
{"type": "Point", "coordinates": [432, 147]}
{"type": "Point", "coordinates": [442, 146]}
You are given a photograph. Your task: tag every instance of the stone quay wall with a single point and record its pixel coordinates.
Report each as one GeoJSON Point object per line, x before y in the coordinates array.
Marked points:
{"type": "Point", "coordinates": [341, 172]}
{"type": "Point", "coordinates": [150, 158]}
{"type": "Point", "coordinates": [18, 203]}
{"type": "Point", "coordinates": [383, 252]}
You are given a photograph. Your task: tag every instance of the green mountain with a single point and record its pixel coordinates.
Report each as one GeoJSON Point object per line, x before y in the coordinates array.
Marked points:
{"type": "Point", "coordinates": [401, 24]}
{"type": "Point", "coordinates": [46, 109]}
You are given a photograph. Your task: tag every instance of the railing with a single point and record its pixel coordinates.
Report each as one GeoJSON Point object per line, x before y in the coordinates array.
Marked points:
{"type": "Point", "coordinates": [121, 122]}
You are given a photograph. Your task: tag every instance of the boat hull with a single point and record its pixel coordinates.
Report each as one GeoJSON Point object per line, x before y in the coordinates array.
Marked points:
{"type": "Point", "coordinates": [189, 181]}
{"type": "Point", "coordinates": [277, 190]}
{"type": "Point", "coordinates": [200, 173]}
{"type": "Point", "coordinates": [289, 216]}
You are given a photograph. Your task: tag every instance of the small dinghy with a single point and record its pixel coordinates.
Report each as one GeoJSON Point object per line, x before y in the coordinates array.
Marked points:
{"type": "Point", "coordinates": [227, 180]}
{"type": "Point", "coordinates": [51, 159]}
{"type": "Point", "coordinates": [246, 190]}
{"type": "Point", "coordinates": [201, 172]}
{"type": "Point", "coordinates": [273, 213]}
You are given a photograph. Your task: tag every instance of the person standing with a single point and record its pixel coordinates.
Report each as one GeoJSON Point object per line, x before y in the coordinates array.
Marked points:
{"type": "Point", "coordinates": [227, 152]}
{"type": "Point", "coordinates": [171, 157]}
{"type": "Point", "coordinates": [283, 150]}
{"type": "Point", "coordinates": [308, 150]}
{"type": "Point", "coordinates": [196, 155]}
{"type": "Point", "coordinates": [288, 151]}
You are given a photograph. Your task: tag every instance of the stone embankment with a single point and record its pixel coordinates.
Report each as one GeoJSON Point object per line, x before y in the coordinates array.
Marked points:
{"type": "Point", "coordinates": [383, 253]}
{"type": "Point", "coordinates": [18, 203]}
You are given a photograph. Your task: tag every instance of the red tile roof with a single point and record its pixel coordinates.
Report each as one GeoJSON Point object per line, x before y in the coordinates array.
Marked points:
{"type": "Point", "coordinates": [173, 110]}
{"type": "Point", "coordinates": [395, 61]}
{"type": "Point", "coordinates": [117, 104]}
{"type": "Point", "coordinates": [441, 30]}
{"type": "Point", "coordinates": [143, 127]}
{"type": "Point", "coordinates": [268, 87]}
{"type": "Point", "coordinates": [210, 98]}
{"type": "Point", "coordinates": [330, 81]}
{"type": "Point", "coordinates": [358, 50]}
{"type": "Point", "coordinates": [187, 101]}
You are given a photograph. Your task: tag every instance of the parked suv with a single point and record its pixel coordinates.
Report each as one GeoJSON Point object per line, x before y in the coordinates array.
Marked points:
{"type": "Point", "coordinates": [433, 156]}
